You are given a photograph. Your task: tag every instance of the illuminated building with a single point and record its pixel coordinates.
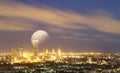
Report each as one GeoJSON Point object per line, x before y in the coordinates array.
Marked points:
{"type": "Point", "coordinates": [59, 52]}
{"type": "Point", "coordinates": [46, 51]}
{"type": "Point", "coordinates": [35, 48]}
{"type": "Point", "coordinates": [53, 51]}
{"type": "Point", "coordinates": [20, 52]}
{"type": "Point", "coordinates": [90, 60]}
{"type": "Point", "coordinates": [5, 58]}
{"type": "Point", "coordinates": [13, 53]}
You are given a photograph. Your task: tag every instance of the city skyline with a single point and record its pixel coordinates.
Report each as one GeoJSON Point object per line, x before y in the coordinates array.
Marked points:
{"type": "Point", "coordinates": [78, 26]}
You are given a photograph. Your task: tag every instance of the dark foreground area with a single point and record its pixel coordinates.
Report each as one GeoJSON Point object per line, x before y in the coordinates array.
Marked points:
{"type": "Point", "coordinates": [58, 67]}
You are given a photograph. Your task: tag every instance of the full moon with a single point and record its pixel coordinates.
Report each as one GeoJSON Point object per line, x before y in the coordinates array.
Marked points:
{"type": "Point", "coordinates": [39, 36]}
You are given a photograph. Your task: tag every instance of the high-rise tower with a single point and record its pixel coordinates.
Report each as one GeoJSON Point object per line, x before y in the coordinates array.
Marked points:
{"type": "Point", "coordinates": [20, 52]}
{"type": "Point", "coordinates": [59, 53]}
{"type": "Point", "coordinates": [35, 47]}
{"type": "Point", "coordinates": [13, 53]}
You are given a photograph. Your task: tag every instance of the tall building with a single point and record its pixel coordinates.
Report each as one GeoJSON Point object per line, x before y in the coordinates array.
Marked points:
{"type": "Point", "coordinates": [13, 53]}
{"type": "Point", "coordinates": [59, 53]}
{"type": "Point", "coordinates": [35, 47]}
{"type": "Point", "coordinates": [20, 52]}
{"type": "Point", "coordinates": [46, 51]}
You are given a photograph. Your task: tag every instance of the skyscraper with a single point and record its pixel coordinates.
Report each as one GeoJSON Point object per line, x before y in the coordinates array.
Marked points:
{"type": "Point", "coordinates": [13, 53]}
{"type": "Point", "coordinates": [35, 47]}
{"type": "Point", "coordinates": [59, 53]}
{"type": "Point", "coordinates": [20, 52]}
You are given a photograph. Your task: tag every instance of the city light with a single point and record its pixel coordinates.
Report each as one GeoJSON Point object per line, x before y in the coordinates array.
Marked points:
{"type": "Point", "coordinates": [70, 60]}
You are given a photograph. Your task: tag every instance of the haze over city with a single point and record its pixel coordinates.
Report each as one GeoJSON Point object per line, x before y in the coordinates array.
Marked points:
{"type": "Point", "coordinates": [74, 25]}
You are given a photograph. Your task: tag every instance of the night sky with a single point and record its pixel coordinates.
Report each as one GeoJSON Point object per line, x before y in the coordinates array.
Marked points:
{"type": "Point", "coordinates": [74, 25]}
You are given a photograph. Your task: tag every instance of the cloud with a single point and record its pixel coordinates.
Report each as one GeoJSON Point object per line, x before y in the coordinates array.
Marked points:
{"type": "Point", "coordinates": [58, 18]}
{"type": "Point", "coordinates": [89, 38]}
{"type": "Point", "coordinates": [15, 24]}
{"type": "Point", "coordinates": [44, 15]}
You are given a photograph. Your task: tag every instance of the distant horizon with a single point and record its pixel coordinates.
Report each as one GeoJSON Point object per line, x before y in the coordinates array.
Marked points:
{"type": "Point", "coordinates": [56, 49]}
